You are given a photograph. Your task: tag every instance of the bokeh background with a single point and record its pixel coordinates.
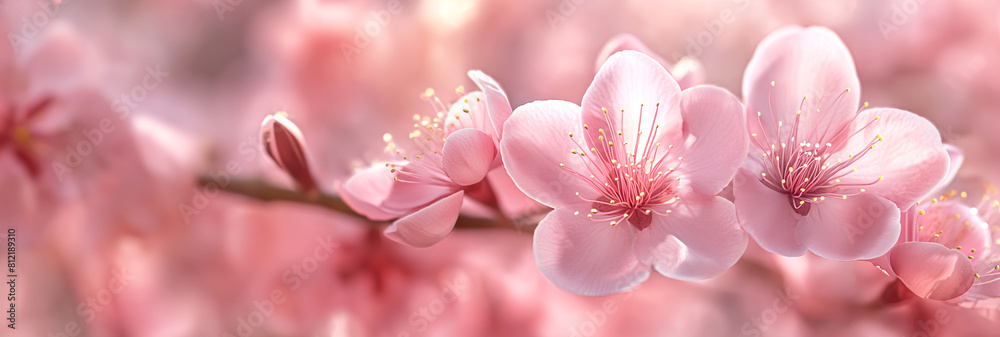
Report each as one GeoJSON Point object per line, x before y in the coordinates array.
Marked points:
{"type": "Point", "coordinates": [122, 241]}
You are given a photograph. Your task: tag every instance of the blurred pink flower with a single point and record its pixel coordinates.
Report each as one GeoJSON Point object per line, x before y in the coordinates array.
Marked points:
{"type": "Point", "coordinates": [813, 185]}
{"type": "Point", "coordinates": [452, 157]}
{"type": "Point", "coordinates": [616, 172]}
{"type": "Point", "coordinates": [60, 142]}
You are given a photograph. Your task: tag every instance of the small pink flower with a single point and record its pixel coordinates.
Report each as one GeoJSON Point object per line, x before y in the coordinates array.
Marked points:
{"type": "Point", "coordinates": [822, 175]}
{"type": "Point", "coordinates": [633, 176]}
{"type": "Point", "coordinates": [939, 244]}
{"type": "Point", "coordinates": [949, 247]}
{"type": "Point", "coordinates": [453, 155]}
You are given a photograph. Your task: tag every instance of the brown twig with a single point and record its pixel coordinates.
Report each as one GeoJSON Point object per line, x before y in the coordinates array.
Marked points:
{"type": "Point", "coordinates": [264, 191]}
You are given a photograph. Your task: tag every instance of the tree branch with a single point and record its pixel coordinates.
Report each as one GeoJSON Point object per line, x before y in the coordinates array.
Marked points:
{"type": "Point", "coordinates": [264, 191]}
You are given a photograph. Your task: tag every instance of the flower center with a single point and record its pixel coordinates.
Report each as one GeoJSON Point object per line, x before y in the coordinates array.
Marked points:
{"type": "Point", "coordinates": [973, 231]}
{"type": "Point", "coordinates": [423, 155]}
{"type": "Point", "coordinates": [807, 170]}
{"type": "Point", "coordinates": [25, 145]}
{"type": "Point", "coordinates": [633, 179]}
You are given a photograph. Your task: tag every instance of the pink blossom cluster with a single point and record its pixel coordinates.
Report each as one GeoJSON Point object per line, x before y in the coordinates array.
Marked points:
{"type": "Point", "coordinates": [255, 168]}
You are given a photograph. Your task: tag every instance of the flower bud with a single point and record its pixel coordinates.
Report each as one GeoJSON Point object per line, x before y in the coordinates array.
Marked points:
{"type": "Point", "coordinates": [283, 142]}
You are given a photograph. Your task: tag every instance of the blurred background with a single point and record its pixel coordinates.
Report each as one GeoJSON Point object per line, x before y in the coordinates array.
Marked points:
{"type": "Point", "coordinates": [110, 111]}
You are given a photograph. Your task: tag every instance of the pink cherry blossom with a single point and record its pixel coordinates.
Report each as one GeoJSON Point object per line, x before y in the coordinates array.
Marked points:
{"type": "Point", "coordinates": [948, 249]}
{"type": "Point", "coordinates": [822, 175]}
{"type": "Point", "coordinates": [633, 176]}
{"type": "Point", "coordinates": [453, 155]}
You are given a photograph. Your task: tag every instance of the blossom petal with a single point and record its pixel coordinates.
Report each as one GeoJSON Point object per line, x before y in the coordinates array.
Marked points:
{"type": "Point", "coordinates": [512, 201]}
{"type": "Point", "coordinates": [496, 100]}
{"type": "Point", "coordinates": [766, 215]}
{"type": "Point", "coordinates": [626, 41]}
{"type": "Point", "coordinates": [469, 112]}
{"type": "Point", "coordinates": [715, 139]}
{"type": "Point", "coordinates": [418, 184]}
{"type": "Point", "coordinates": [802, 62]}
{"type": "Point", "coordinates": [633, 82]}
{"type": "Point", "coordinates": [955, 225]}
{"type": "Point", "coordinates": [932, 270]}
{"type": "Point", "coordinates": [911, 158]}
{"type": "Point", "coordinates": [863, 226]}
{"type": "Point", "coordinates": [366, 190]}
{"type": "Point", "coordinates": [587, 257]}
{"type": "Point", "coordinates": [694, 241]}
{"type": "Point", "coordinates": [428, 225]}
{"type": "Point", "coordinates": [467, 156]}
{"type": "Point", "coordinates": [688, 72]}
{"type": "Point", "coordinates": [536, 142]}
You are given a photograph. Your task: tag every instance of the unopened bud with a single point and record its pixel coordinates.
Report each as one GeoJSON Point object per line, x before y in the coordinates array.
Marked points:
{"type": "Point", "coordinates": [283, 142]}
